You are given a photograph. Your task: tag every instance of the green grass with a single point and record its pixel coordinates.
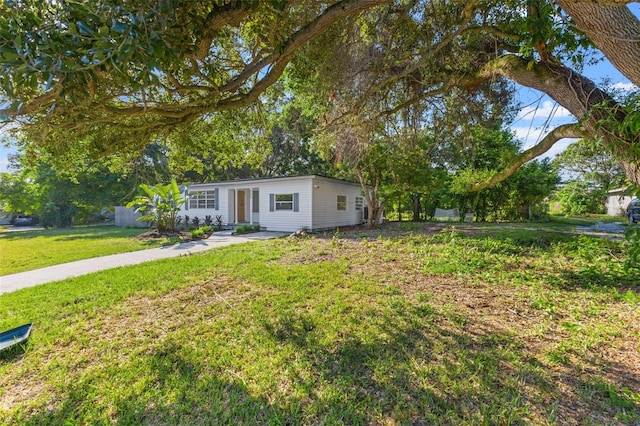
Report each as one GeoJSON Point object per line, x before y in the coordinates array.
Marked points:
{"type": "Point", "coordinates": [26, 250]}
{"type": "Point", "coordinates": [587, 219]}
{"type": "Point", "coordinates": [490, 327]}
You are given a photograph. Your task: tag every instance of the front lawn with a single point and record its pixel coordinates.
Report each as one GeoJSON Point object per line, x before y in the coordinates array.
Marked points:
{"type": "Point", "coordinates": [407, 325]}
{"type": "Point", "coordinates": [26, 250]}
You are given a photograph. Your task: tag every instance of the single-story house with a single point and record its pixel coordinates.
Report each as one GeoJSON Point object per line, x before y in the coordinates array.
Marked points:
{"type": "Point", "coordinates": [286, 204]}
{"type": "Point", "coordinates": [617, 202]}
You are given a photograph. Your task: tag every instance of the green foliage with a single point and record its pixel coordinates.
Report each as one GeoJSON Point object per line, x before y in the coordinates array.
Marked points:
{"type": "Point", "coordinates": [63, 196]}
{"type": "Point", "coordinates": [518, 197]}
{"type": "Point", "coordinates": [160, 204]}
{"type": "Point", "coordinates": [587, 160]}
{"type": "Point", "coordinates": [197, 233]}
{"type": "Point", "coordinates": [246, 228]}
{"type": "Point", "coordinates": [632, 236]}
{"type": "Point", "coordinates": [59, 215]}
{"type": "Point", "coordinates": [201, 231]}
{"type": "Point", "coordinates": [578, 197]}
{"type": "Point", "coordinates": [19, 193]}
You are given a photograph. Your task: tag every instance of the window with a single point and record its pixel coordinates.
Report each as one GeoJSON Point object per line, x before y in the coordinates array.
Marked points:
{"type": "Point", "coordinates": [359, 203]}
{"type": "Point", "coordinates": [202, 200]}
{"type": "Point", "coordinates": [256, 201]}
{"type": "Point", "coordinates": [342, 202]}
{"type": "Point", "coordinates": [284, 201]}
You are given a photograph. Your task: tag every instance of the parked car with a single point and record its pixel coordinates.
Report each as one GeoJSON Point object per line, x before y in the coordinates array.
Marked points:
{"type": "Point", "coordinates": [24, 220]}
{"type": "Point", "coordinates": [633, 211]}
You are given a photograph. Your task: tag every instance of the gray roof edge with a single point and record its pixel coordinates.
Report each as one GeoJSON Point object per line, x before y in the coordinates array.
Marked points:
{"type": "Point", "coordinates": [271, 179]}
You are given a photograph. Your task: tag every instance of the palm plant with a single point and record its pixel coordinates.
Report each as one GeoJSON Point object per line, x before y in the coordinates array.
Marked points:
{"type": "Point", "coordinates": [159, 205]}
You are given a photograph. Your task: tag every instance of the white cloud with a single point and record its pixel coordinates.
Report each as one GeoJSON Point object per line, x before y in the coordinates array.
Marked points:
{"type": "Point", "coordinates": [528, 135]}
{"type": "Point", "coordinates": [547, 110]}
{"type": "Point", "coordinates": [627, 87]}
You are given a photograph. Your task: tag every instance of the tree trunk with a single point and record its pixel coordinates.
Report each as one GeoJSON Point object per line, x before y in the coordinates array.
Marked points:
{"type": "Point", "coordinates": [615, 30]}
{"type": "Point", "coordinates": [416, 207]}
{"type": "Point", "coordinates": [375, 206]}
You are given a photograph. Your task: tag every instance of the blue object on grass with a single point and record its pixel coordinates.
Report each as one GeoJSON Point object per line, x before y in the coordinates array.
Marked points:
{"type": "Point", "coordinates": [14, 336]}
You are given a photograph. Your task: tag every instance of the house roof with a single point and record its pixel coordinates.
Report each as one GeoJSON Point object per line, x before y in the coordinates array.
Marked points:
{"type": "Point", "coordinates": [617, 191]}
{"type": "Point", "coordinates": [272, 179]}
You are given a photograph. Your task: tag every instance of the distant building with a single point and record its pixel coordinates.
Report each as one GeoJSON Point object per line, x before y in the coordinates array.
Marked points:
{"type": "Point", "coordinates": [617, 202]}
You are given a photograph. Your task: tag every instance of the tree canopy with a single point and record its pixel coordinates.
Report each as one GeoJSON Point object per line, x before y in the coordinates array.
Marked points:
{"type": "Point", "coordinates": [111, 77]}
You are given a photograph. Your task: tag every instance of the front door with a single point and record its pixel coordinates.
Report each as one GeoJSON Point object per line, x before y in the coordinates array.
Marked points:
{"type": "Point", "coordinates": [241, 204]}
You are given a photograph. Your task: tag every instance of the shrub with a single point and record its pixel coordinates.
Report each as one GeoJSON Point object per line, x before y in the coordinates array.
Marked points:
{"type": "Point", "coordinates": [195, 221]}
{"type": "Point", "coordinates": [201, 231]}
{"type": "Point", "coordinates": [578, 198]}
{"type": "Point", "coordinates": [207, 220]}
{"type": "Point", "coordinates": [197, 233]}
{"type": "Point", "coordinates": [247, 228]}
{"type": "Point", "coordinates": [159, 205]}
{"type": "Point", "coordinates": [187, 224]}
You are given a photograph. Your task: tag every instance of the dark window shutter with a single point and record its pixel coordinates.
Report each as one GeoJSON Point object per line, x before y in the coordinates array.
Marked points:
{"type": "Point", "coordinates": [272, 202]}
{"type": "Point", "coordinates": [216, 197]}
{"type": "Point", "coordinates": [296, 202]}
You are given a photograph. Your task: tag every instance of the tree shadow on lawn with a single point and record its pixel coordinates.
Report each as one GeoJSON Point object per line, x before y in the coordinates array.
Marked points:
{"type": "Point", "coordinates": [412, 371]}
{"type": "Point", "coordinates": [418, 366]}
{"type": "Point", "coordinates": [598, 281]}
{"type": "Point", "coordinates": [397, 363]}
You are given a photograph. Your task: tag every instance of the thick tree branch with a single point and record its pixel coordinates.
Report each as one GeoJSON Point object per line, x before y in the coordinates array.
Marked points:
{"type": "Point", "coordinates": [230, 95]}
{"type": "Point", "coordinates": [573, 91]}
{"type": "Point", "coordinates": [613, 28]}
{"type": "Point", "coordinates": [565, 131]}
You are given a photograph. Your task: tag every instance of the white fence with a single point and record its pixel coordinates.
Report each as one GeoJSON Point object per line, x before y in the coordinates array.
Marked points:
{"type": "Point", "coordinates": [128, 217]}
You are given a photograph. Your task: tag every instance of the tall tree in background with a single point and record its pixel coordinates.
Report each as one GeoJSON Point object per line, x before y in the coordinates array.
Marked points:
{"type": "Point", "coordinates": [592, 172]}
{"type": "Point", "coordinates": [62, 199]}
{"type": "Point", "coordinates": [587, 161]}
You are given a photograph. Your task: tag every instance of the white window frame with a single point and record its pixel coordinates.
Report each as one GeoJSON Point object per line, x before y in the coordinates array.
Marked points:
{"type": "Point", "coordinates": [359, 203]}
{"type": "Point", "coordinates": [202, 199]}
{"type": "Point", "coordinates": [284, 204]}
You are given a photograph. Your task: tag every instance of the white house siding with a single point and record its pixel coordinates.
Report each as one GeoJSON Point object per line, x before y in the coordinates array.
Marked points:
{"type": "Point", "coordinates": [325, 204]}
{"type": "Point", "coordinates": [617, 202]}
{"type": "Point", "coordinates": [286, 220]}
{"type": "Point", "coordinates": [316, 202]}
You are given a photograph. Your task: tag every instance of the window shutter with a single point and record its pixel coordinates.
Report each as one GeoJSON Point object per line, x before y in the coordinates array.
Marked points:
{"type": "Point", "coordinates": [216, 201]}
{"type": "Point", "coordinates": [296, 202]}
{"type": "Point", "coordinates": [272, 202]}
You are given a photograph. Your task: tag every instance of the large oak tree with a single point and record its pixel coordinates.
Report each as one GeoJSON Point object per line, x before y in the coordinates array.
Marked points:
{"type": "Point", "coordinates": [111, 76]}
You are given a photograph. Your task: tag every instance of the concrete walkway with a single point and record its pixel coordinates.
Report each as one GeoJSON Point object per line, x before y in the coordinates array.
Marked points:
{"type": "Point", "coordinates": [13, 282]}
